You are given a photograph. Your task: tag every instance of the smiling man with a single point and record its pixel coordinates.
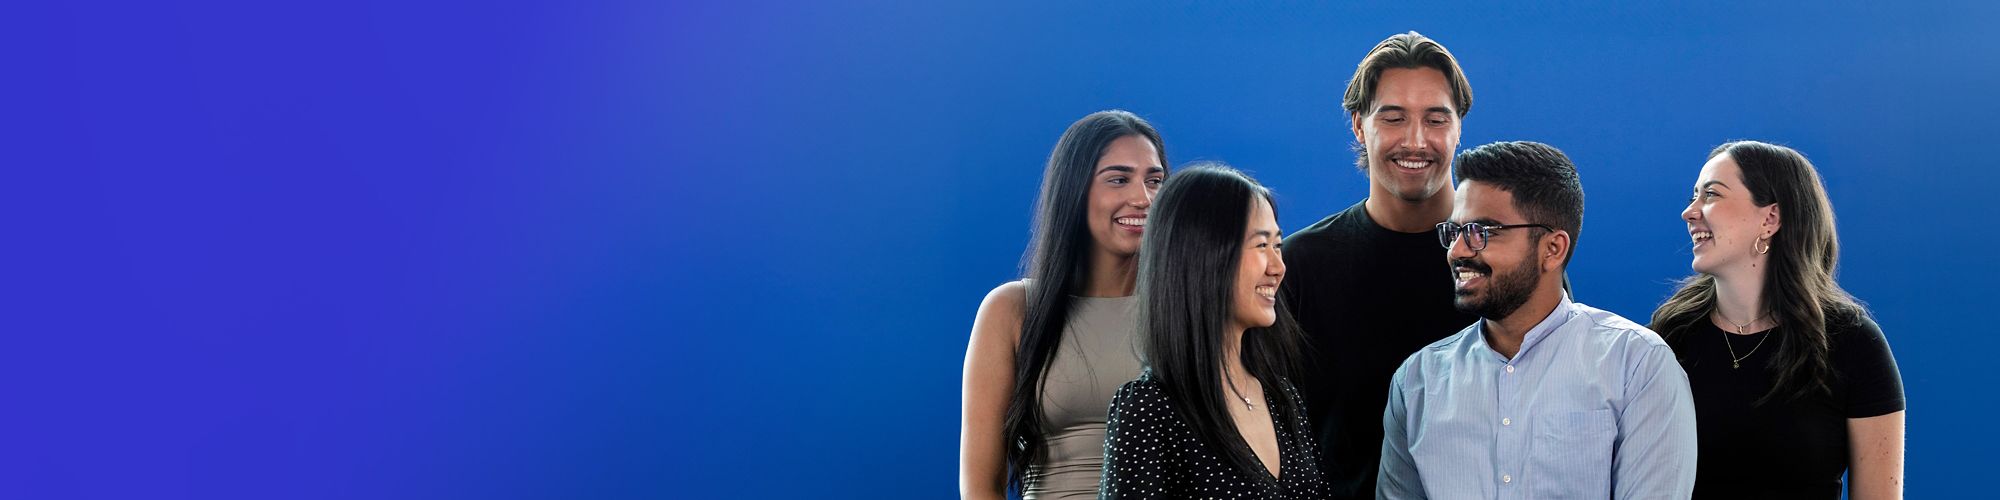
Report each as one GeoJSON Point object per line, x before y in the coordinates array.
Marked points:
{"type": "Point", "coordinates": [1542, 397]}
{"type": "Point", "coordinates": [1365, 286]}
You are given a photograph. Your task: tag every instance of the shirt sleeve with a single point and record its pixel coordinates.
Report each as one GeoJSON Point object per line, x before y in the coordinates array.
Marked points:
{"type": "Point", "coordinates": [1874, 385]}
{"type": "Point", "coordinates": [1140, 455]}
{"type": "Point", "coordinates": [1655, 452]}
{"type": "Point", "coordinates": [1398, 478]}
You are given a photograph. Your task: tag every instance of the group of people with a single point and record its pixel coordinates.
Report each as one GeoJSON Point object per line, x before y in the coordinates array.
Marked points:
{"type": "Point", "coordinates": [1424, 342]}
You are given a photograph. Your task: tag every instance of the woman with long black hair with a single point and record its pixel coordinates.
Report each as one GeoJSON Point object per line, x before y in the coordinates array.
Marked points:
{"type": "Point", "coordinates": [1048, 350]}
{"type": "Point", "coordinates": [1215, 413]}
{"type": "Point", "coordinates": [1793, 383]}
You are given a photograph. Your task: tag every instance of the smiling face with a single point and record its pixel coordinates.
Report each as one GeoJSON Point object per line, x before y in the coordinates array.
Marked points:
{"type": "Point", "coordinates": [1513, 252]}
{"type": "Point", "coordinates": [1724, 222]}
{"type": "Point", "coordinates": [1254, 302]}
{"type": "Point", "coordinates": [1409, 133]}
{"type": "Point", "coordinates": [1121, 190]}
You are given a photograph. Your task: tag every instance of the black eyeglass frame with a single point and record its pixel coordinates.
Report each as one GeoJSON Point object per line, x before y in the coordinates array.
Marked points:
{"type": "Point", "coordinates": [1449, 233]}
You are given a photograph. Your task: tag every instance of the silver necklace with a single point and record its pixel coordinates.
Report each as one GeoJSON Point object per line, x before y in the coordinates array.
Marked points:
{"type": "Point", "coordinates": [1246, 399]}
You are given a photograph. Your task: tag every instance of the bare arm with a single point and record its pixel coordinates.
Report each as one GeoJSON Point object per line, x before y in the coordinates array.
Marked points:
{"type": "Point", "coordinates": [989, 383]}
{"type": "Point", "coordinates": [1875, 445]}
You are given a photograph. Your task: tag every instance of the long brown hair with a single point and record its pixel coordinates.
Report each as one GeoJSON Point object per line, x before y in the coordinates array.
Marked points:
{"type": "Point", "coordinates": [1799, 290]}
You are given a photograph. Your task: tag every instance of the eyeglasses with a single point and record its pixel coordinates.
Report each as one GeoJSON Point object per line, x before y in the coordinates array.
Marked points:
{"type": "Point", "coordinates": [1475, 233]}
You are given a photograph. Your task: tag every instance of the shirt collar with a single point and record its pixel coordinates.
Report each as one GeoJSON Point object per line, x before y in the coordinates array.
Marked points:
{"type": "Point", "coordinates": [1540, 331]}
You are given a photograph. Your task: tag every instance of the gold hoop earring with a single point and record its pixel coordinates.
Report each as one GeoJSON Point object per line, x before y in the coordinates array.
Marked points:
{"type": "Point", "coordinates": [1767, 246]}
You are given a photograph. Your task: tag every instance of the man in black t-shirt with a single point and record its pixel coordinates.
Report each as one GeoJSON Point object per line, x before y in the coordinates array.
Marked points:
{"type": "Point", "coordinates": [1368, 285]}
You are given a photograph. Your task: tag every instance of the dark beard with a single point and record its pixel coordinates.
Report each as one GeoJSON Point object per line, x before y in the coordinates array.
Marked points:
{"type": "Point", "coordinates": [1505, 292]}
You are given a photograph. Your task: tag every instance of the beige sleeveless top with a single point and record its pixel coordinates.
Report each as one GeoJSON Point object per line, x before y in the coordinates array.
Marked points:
{"type": "Point", "coordinates": [1098, 353]}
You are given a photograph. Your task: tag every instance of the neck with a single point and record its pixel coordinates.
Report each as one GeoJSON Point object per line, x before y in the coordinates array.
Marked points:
{"type": "Point", "coordinates": [1739, 301]}
{"type": "Point", "coordinates": [1111, 275]}
{"type": "Point", "coordinates": [1233, 373]}
{"type": "Point", "coordinates": [1403, 216]}
{"type": "Point", "coordinates": [1505, 335]}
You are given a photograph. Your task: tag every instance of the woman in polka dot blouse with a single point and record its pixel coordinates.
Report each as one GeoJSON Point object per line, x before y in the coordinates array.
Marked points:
{"type": "Point", "coordinates": [1214, 415]}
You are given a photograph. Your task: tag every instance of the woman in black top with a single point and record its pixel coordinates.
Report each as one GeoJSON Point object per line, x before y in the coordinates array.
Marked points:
{"type": "Point", "coordinates": [1213, 415]}
{"type": "Point", "coordinates": [1793, 383]}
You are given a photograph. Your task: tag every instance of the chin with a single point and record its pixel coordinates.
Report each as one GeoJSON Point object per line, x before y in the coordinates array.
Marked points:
{"type": "Point", "coordinates": [1465, 305]}
{"type": "Point", "coordinates": [1700, 267]}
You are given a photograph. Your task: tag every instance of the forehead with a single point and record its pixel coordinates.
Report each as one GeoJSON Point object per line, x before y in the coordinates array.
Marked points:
{"type": "Point", "coordinates": [1261, 217]}
{"type": "Point", "coordinates": [1479, 201]}
{"type": "Point", "coordinates": [1131, 150]}
{"type": "Point", "coordinates": [1720, 168]}
{"type": "Point", "coordinates": [1414, 88]}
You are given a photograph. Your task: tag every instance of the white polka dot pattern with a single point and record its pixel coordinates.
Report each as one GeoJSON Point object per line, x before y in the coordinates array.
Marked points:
{"type": "Point", "coordinates": [1150, 452]}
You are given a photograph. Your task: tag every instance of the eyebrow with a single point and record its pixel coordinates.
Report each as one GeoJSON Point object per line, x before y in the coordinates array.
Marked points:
{"type": "Point", "coordinates": [1266, 234]}
{"type": "Point", "coordinates": [1126, 169]}
{"type": "Point", "coordinates": [1713, 183]}
{"type": "Point", "coordinates": [1433, 109]}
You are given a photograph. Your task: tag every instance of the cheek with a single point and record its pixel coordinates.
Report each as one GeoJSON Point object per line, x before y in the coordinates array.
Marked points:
{"type": "Point", "coordinates": [1101, 208]}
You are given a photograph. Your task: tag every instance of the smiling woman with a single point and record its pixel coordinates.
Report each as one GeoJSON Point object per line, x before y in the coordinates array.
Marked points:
{"type": "Point", "coordinates": [1048, 350]}
{"type": "Point", "coordinates": [1794, 384]}
{"type": "Point", "coordinates": [1215, 414]}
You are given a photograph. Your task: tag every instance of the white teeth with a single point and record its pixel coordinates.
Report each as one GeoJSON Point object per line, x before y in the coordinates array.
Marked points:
{"type": "Point", "coordinates": [1413, 164]}
{"type": "Point", "coordinates": [1701, 236]}
{"type": "Point", "coordinates": [1467, 275]}
{"type": "Point", "coordinates": [1132, 221]}
{"type": "Point", "coordinates": [1267, 291]}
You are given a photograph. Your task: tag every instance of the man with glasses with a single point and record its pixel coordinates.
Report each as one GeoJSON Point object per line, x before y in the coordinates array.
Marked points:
{"type": "Point", "coordinates": [1541, 397]}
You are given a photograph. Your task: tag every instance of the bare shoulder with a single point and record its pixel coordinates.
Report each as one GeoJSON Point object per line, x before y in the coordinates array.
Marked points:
{"type": "Point", "coordinates": [1001, 311]}
{"type": "Point", "coordinates": [1008, 297]}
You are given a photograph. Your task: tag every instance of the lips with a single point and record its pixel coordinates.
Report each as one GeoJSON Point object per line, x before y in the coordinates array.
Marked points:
{"type": "Point", "coordinates": [1699, 236]}
{"type": "Point", "coordinates": [1267, 291]}
{"type": "Point", "coordinates": [1133, 223]}
{"type": "Point", "coordinates": [1414, 161]}
{"type": "Point", "coordinates": [1466, 271]}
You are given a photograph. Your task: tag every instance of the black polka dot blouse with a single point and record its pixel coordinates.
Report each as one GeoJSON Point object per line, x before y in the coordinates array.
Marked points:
{"type": "Point", "coordinates": [1150, 452]}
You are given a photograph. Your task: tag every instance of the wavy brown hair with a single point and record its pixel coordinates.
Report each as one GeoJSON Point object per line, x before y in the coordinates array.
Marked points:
{"type": "Point", "coordinates": [1799, 289]}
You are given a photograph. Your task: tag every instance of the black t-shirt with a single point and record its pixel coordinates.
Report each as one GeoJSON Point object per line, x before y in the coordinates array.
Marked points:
{"type": "Point", "coordinates": [1786, 448]}
{"type": "Point", "coordinates": [1367, 297]}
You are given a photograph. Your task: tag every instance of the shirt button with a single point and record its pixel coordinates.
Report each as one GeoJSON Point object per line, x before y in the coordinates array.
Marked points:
{"type": "Point", "coordinates": [1510, 368]}
{"type": "Point", "coordinates": [1506, 421]}
{"type": "Point", "coordinates": [1506, 478]}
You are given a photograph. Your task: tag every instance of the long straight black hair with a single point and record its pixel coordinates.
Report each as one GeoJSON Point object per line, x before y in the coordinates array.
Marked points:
{"type": "Point", "coordinates": [1056, 265]}
{"type": "Point", "coordinates": [1799, 290]}
{"type": "Point", "coordinates": [1187, 274]}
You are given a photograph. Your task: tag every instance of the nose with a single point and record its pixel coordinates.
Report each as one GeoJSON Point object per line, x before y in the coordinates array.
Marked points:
{"type": "Point", "coordinates": [1276, 266]}
{"type": "Point", "coordinates": [1414, 140]}
{"type": "Point", "coordinates": [1144, 199]}
{"type": "Point", "coordinates": [1460, 248]}
{"type": "Point", "coordinates": [1693, 211]}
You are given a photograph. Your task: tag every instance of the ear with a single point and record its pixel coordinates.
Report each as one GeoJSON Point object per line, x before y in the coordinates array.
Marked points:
{"type": "Point", "coordinates": [1773, 219]}
{"type": "Point", "coordinates": [1554, 248]}
{"type": "Point", "coordinates": [1355, 120]}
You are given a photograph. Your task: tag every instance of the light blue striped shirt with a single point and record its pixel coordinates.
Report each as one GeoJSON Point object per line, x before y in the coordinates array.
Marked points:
{"type": "Point", "coordinates": [1592, 406]}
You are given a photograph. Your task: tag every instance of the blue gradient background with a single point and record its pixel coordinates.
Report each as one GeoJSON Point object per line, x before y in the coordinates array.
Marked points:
{"type": "Point", "coordinates": [371, 249]}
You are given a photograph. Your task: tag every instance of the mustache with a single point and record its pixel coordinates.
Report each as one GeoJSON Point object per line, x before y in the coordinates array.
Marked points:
{"type": "Point", "coordinates": [1471, 264]}
{"type": "Point", "coordinates": [1414, 155]}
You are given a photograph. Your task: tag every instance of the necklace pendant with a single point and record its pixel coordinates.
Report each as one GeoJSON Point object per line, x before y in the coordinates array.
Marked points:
{"type": "Point", "coordinates": [1734, 365]}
